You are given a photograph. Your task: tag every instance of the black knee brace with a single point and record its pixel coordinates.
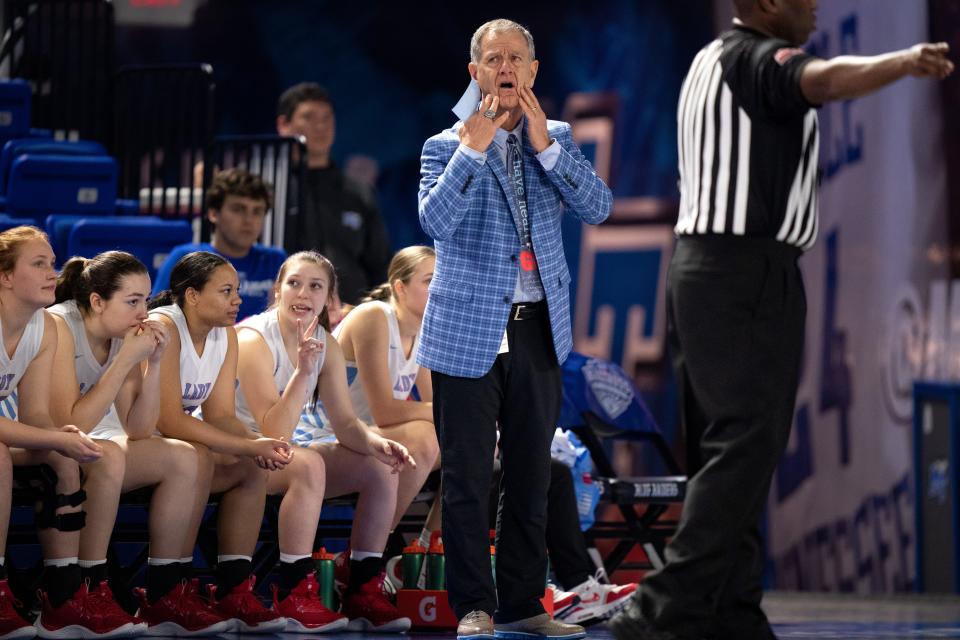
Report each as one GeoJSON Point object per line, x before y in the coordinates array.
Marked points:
{"type": "Point", "coordinates": [43, 480]}
{"type": "Point", "coordinates": [48, 517]}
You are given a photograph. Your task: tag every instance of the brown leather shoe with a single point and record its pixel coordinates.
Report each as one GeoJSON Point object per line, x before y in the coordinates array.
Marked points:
{"type": "Point", "coordinates": [476, 625]}
{"type": "Point", "coordinates": [541, 626]}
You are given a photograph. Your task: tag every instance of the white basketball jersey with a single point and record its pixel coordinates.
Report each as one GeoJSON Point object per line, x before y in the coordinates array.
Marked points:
{"type": "Point", "coordinates": [8, 407]}
{"type": "Point", "coordinates": [12, 369]}
{"type": "Point", "coordinates": [403, 369]}
{"type": "Point", "coordinates": [89, 371]}
{"type": "Point", "coordinates": [267, 324]}
{"type": "Point", "coordinates": [197, 373]}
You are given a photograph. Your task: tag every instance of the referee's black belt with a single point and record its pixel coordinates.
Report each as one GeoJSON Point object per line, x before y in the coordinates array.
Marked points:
{"type": "Point", "coordinates": [528, 310]}
{"type": "Point", "coordinates": [740, 247]}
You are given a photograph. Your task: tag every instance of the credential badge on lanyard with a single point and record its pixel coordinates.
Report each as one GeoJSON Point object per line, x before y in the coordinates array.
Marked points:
{"type": "Point", "coordinates": [529, 273]}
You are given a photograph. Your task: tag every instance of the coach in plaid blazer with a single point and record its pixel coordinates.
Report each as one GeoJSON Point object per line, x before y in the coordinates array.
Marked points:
{"type": "Point", "coordinates": [497, 326]}
{"type": "Point", "coordinates": [465, 206]}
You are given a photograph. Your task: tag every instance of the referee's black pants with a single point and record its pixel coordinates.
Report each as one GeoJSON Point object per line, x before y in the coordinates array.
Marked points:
{"type": "Point", "coordinates": [521, 393]}
{"type": "Point", "coordinates": [736, 310]}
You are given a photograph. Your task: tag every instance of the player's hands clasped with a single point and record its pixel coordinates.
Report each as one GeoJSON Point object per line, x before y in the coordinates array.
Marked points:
{"type": "Point", "coordinates": [271, 454]}
{"type": "Point", "coordinates": [77, 445]}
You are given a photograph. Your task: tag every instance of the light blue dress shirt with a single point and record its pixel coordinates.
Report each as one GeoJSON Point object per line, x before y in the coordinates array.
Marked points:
{"type": "Point", "coordinates": [547, 157]}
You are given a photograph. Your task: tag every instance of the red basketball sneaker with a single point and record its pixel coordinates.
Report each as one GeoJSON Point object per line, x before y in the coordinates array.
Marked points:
{"type": "Point", "coordinates": [341, 570]}
{"type": "Point", "coordinates": [82, 616]}
{"type": "Point", "coordinates": [101, 598]}
{"type": "Point", "coordinates": [181, 613]}
{"type": "Point", "coordinates": [370, 609]}
{"type": "Point", "coordinates": [304, 611]}
{"type": "Point", "coordinates": [12, 624]}
{"type": "Point", "coordinates": [245, 609]}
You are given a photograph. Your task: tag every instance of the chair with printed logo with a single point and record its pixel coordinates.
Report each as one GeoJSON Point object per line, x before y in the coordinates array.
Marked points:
{"type": "Point", "coordinates": [149, 238]}
{"type": "Point", "coordinates": [14, 109]}
{"type": "Point", "coordinates": [600, 402]}
{"type": "Point", "coordinates": [42, 184]}
{"type": "Point", "coordinates": [15, 148]}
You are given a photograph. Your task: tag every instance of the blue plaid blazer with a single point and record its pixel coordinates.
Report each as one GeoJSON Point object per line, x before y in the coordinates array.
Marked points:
{"type": "Point", "coordinates": [466, 207]}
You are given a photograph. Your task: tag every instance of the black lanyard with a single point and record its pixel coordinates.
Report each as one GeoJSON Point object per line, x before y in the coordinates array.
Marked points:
{"type": "Point", "coordinates": [515, 165]}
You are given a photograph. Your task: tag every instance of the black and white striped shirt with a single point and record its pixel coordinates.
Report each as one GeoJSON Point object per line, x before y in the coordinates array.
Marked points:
{"type": "Point", "coordinates": [749, 142]}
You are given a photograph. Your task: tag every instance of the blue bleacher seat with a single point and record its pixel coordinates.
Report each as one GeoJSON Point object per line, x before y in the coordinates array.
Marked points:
{"type": "Point", "coordinates": [58, 227]}
{"type": "Point", "coordinates": [45, 184]}
{"type": "Point", "coordinates": [148, 237]}
{"type": "Point", "coordinates": [14, 109]}
{"type": "Point", "coordinates": [6, 222]}
{"type": "Point", "coordinates": [42, 146]}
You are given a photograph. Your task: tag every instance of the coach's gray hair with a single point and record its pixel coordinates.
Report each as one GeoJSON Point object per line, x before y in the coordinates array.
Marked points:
{"type": "Point", "coordinates": [499, 25]}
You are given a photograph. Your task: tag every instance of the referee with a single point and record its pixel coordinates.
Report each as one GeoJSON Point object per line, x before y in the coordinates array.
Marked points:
{"type": "Point", "coordinates": [748, 148]}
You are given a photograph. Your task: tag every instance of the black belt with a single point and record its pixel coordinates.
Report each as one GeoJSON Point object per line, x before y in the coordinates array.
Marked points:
{"type": "Point", "coordinates": [740, 246]}
{"type": "Point", "coordinates": [527, 310]}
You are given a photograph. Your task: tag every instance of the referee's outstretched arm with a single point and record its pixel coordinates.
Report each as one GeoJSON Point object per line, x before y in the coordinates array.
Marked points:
{"type": "Point", "coordinates": [843, 77]}
{"type": "Point", "coordinates": [846, 77]}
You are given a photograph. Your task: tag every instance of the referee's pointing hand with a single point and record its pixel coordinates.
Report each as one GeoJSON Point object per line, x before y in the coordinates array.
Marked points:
{"type": "Point", "coordinates": [928, 59]}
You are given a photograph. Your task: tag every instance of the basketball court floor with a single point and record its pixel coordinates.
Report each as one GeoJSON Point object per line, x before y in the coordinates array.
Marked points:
{"type": "Point", "coordinates": [808, 616]}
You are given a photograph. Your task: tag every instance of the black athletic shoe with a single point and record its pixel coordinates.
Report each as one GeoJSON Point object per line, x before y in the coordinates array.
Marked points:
{"type": "Point", "coordinates": [630, 624]}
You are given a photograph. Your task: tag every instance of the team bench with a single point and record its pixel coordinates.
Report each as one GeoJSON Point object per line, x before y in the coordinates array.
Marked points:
{"type": "Point", "coordinates": [129, 543]}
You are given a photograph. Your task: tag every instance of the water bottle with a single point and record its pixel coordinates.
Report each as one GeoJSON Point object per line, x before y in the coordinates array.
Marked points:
{"type": "Point", "coordinates": [436, 580]}
{"type": "Point", "coordinates": [492, 534]}
{"type": "Point", "coordinates": [324, 564]}
{"type": "Point", "coordinates": [412, 564]}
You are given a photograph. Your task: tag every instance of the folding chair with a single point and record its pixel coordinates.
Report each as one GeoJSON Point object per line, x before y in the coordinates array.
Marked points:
{"type": "Point", "coordinates": [601, 402]}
